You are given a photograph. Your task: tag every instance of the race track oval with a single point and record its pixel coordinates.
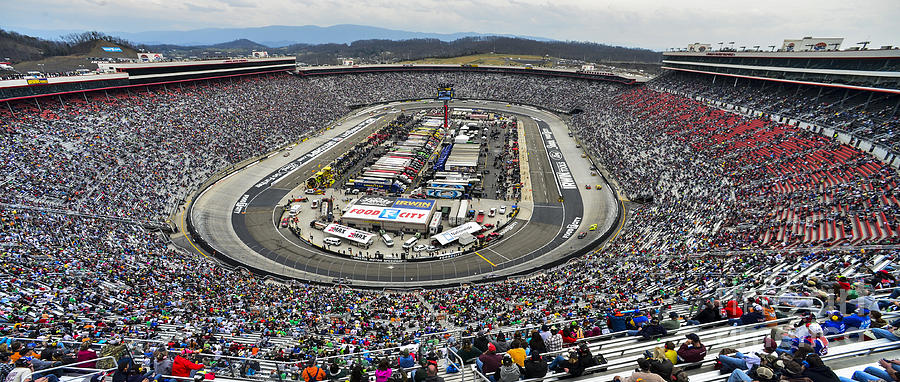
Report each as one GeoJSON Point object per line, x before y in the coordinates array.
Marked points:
{"type": "Point", "coordinates": [252, 222]}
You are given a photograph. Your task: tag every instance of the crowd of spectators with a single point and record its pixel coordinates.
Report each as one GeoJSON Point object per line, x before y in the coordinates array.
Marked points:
{"type": "Point", "coordinates": [8, 75]}
{"type": "Point", "coordinates": [721, 182]}
{"type": "Point", "coordinates": [867, 115]}
{"type": "Point", "coordinates": [135, 155]}
{"type": "Point", "coordinates": [712, 183]}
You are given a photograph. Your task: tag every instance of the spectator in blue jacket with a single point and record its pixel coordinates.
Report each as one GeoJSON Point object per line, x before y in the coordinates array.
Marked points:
{"type": "Point", "coordinates": [858, 320]}
{"type": "Point", "coordinates": [406, 361]}
{"type": "Point", "coordinates": [754, 315]}
{"type": "Point", "coordinates": [616, 321]}
{"type": "Point", "coordinates": [834, 324]}
{"type": "Point", "coordinates": [639, 320]}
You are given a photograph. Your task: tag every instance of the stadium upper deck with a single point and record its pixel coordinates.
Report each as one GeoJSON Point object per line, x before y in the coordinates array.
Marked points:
{"type": "Point", "coordinates": [120, 75]}
{"type": "Point", "coordinates": [873, 70]}
{"type": "Point", "coordinates": [629, 78]}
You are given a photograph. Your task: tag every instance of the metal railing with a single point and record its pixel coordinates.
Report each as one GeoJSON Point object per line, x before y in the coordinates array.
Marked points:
{"type": "Point", "coordinates": [460, 367]}
{"type": "Point", "coordinates": [510, 330]}
{"type": "Point", "coordinates": [621, 365]}
{"type": "Point", "coordinates": [816, 299]}
{"type": "Point", "coordinates": [68, 367]}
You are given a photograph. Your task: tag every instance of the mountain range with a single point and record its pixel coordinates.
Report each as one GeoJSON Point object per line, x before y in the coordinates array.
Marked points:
{"type": "Point", "coordinates": [273, 36]}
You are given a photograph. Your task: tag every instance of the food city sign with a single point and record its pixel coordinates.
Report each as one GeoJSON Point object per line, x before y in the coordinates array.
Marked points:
{"type": "Point", "coordinates": [386, 214]}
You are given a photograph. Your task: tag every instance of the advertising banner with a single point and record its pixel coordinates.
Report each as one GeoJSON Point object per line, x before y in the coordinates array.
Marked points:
{"type": "Point", "coordinates": [399, 215]}
{"type": "Point", "coordinates": [452, 234]}
{"type": "Point", "coordinates": [375, 201]}
{"type": "Point", "coordinates": [418, 204]}
{"type": "Point", "coordinates": [443, 193]}
{"type": "Point", "coordinates": [349, 233]}
{"type": "Point", "coordinates": [150, 57]}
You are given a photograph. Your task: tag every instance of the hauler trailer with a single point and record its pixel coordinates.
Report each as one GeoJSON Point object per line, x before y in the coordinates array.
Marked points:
{"type": "Point", "coordinates": [435, 225]}
{"type": "Point", "coordinates": [354, 236]}
{"type": "Point", "coordinates": [393, 161]}
{"type": "Point", "coordinates": [386, 174]}
{"type": "Point", "coordinates": [449, 183]}
{"type": "Point", "coordinates": [392, 170]}
{"type": "Point", "coordinates": [463, 233]}
{"type": "Point", "coordinates": [380, 184]}
{"type": "Point", "coordinates": [388, 177]}
{"type": "Point", "coordinates": [407, 151]}
{"type": "Point", "coordinates": [460, 216]}
{"type": "Point", "coordinates": [409, 171]}
{"type": "Point", "coordinates": [444, 193]}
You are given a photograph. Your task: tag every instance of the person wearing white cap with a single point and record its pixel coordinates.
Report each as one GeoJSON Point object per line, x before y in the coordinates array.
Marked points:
{"type": "Point", "coordinates": [815, 338]}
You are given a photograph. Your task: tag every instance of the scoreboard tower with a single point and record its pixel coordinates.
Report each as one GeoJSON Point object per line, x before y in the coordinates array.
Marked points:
{"type": "Point", "coordinates": [445, 93]}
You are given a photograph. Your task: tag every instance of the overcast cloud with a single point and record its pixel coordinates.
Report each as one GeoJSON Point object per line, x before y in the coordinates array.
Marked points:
{"type": "Point", "coordinates": [644, 23]}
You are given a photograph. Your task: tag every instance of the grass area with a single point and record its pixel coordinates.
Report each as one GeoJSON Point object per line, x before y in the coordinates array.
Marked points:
{"type": "Point", "coordinates": [488, 59]}
{"type": "Point", "coordinates": [76, 61]}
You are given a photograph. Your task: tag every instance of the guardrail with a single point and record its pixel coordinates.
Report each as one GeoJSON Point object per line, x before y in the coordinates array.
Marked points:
{"type": "Point", "coordinates": [68, 367]}
{"type": "Point", "coordinates": [815, 299]}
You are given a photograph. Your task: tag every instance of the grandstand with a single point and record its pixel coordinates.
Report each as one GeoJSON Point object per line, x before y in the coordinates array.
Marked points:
{"type": "Point", "coordinates": [768, 223]}
{"type": "Point", "coordinates": [852, 95]}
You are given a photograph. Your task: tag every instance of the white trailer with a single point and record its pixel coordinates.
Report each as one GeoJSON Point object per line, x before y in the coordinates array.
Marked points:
{"type": "Point", "coordinates": [435, 223]}
{"type": "Point", "coordinates": [461, 211]}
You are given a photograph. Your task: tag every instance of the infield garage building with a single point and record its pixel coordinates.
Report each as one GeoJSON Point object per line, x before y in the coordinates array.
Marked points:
{"type": "Point", "coordinates": [390, 214]}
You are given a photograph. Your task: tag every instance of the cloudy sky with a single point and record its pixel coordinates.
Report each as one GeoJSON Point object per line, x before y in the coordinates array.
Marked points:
{"type": "Point", "coordinates": [654, 24]}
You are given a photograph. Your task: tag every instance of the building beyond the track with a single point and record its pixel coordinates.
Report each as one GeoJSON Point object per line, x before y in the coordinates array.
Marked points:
{"type": "Point", "coordinates": [126, 75]}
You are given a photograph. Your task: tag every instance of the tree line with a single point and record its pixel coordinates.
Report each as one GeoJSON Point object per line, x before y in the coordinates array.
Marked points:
{"type": "Point", "coordinates": [405, 50]}
{"type": "Point", "coordinates": [16, 47]}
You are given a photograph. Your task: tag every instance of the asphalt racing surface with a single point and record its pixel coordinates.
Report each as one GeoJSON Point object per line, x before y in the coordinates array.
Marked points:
{"type": "Point", "coordinates": [252, 218]}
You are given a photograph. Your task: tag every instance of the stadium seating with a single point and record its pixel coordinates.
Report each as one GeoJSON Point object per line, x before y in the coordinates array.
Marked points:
{"type": "Point", "coordinates": [741, 207]}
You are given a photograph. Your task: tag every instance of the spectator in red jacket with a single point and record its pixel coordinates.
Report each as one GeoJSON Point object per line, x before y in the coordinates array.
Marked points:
{"type": "Point", "coordinates": [182, 367]}
{"type": "Point", "coordinates": [843, 284]}
{"type": "Point", "coordinates": [734, 312]}
{"type": "Point", "coordinates": [86, 354]}
{"type": "Point", "coordinates": [568, 337]}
